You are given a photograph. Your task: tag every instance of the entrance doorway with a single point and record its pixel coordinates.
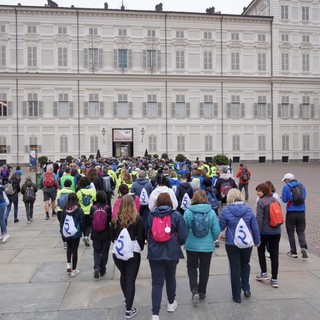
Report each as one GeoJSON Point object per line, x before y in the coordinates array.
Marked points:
{"type": "Point", "coordinates": [122, 142]}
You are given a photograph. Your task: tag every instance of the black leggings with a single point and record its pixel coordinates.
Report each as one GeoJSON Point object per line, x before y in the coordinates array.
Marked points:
{"type": "Point", "coordinates": [72, 251]}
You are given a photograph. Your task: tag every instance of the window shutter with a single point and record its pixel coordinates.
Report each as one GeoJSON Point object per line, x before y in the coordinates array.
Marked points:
{"type": "Point", "coordinates": [242, 111]}
{"type": "Point", "coordinates": [115, 58]}
{"type": "Point", "coordinates": [39, 148]}
{"type": "Point", "coordinates": [201, 110]}
{"type": "Point", "coordinates": [24, 108]}
{"type": "Point", "coordinates": [144, 59]}
{"type": "Point", "coordinates": [312, 111]}
{"type": "Point", "coordinates": [291, 111]}
{"type": "Point", "coordinates": [86, 109]}
{"type": "Point", "coordinates": [300, 111]}
{"type": "Point", "coordinates": [71, 108]}
{"type": "Point", "coordinates": [228, 110]}
{"type": "Point", "coordinates": [115, 109]}
{"type": "Point", "coordinates": [188, 109]}
{"type": "Point", "coordinates": [9, 108]}
{"type": "Point", "coordinates": [279, 110]}
{"type": "Point", "coordinates": [40, 108]}
{"type": "Point", "coordinates": [130, 108]}
{"type": "Point", "coordinates": [26, 148]}
{"type": "Point", "coordinates": [100, 59]}
{"type": "Point", "coordinates": [55, 108]}
{"type": "Point", "coordinates": [159, 110]}
{"type": "Point", "coordinates": [8, 149]}
{"type": "Point", "coordinates": [158, 59]}
{"type": "Point", "coordinates": [144, 107]}
{"type": "Point", "coordinates": [130, 58]}
{"type": "Point", "coordinates": [173, 109]}
{"type": "Point", "coordinates": [269, 110]}
{"type": "Point", "coordinates": [255, 110]}
{"type": "Point", "coordinates": [85, 58]}
{"type": "Point", "coordinates": [101, 104]}
{"type": "Point", "coordinates": [215, 110]}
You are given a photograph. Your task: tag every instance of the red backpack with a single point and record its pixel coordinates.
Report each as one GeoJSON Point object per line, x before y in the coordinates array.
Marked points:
{"type": "Point", "coordinates": [48, 179]}
{"type": "Point", "coordinates": [276, 217]}
{"type": "Point", "coordinates": [99, 219]}
{"type": "Point", "coordinates": [161, 228]}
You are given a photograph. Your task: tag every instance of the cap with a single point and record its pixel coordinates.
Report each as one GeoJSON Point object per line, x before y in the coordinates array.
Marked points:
{"type": "Point", "coordinates": [288, 176]}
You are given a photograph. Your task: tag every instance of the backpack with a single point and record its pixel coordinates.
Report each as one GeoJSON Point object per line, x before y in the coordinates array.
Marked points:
{"type": "Point", "coordinates": [213, 200]}
{"type": "Point", "coordinates": [29, 195]}
{"type": "Point", "coordinates": [195, 184]}
{"type": "Point", "coordinates": [297, 195]}
{"type": "Point", "coordinates": [99, 219]}
{"type": "Point", "coordinates": [200, 224]}
{"type": "Point", "coordinates": [242, 236]}
{"type": "Point", "coordinates": [85, 199]}
{"type": "Point", "coordinates": [224, 189]}
{"type": "Point", "coordinates": [244, 175]}
{"type": "Point", "coordinates": [48, 179]}
{"type": "Point", "coordinates": [276, 217]}
{"type": "Point", "coordinates": [5, 173]}
{"type": "Point", "coordinates": [8, 189]}
{"type": "Point", "coordinates": [161, 228]}
{"type": "Point", "coordinates": [63, 199]}
{"type": "Point", "coordinates": [107, 183]}
{"type": "Point", "coordinates": [185, 202]}
{"type": "Point", "coordinates": [69, 229]}
{"type": "Point", "coordinates": [123, 246]}
{"type": "Point", "coordinates": [144, 197]}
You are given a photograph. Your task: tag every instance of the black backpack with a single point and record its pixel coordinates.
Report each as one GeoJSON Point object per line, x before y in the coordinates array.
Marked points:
{"type": "Point", "coordinates": [297, 194]}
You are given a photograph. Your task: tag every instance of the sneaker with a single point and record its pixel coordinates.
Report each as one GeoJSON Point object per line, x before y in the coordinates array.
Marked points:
{"type": "Point", "coordinates": [86, 241]}
{"type": "Point", "coordinates": [195, 295]}
{"type": "Point", "coordinates": [267, 254]}
{"type": "Point", "coordinates": [16, 220]}
{"type": "Point", "coordinates": [130, 314]}
{"type": "Point", "coordinates": [47, 216]}
{"type": "Point", "coordinates": [304, 253]}
{"type": "Point", "coordinates": [172, 306]}
{"type": "Point", "coordinates": [96, 274]}
{"type": "Point", "coordinates": [31, 220]}
{"type": "Point", "coordinates": [102, 273]}
{"type": "Point", "coordinates": [5, 237]}
{"type": "Point", "coordinates": [65, 246]}
{"type": "Point", "coordinates": [274, 283]}
{"type": "Point", "coordinates": [202, 296]}
{"type": "Point", "coordinates": [74, 273]}
{"type": "Point", "coordinates": [54, 214]}
{"type": "Point", "coordinates": [217, 244]}
{"type": "Point", "coordinates": [28, 222]}
{"type": "Point", "coordinates": [154, 317]}
{"type": "Point", "coordinates": [68, 267]}
{"type": "Point", "coordinates": [292, 255]}
{"type": "Point", "coordinates": [262, 277]}
{"type": "Point", "coordinates": [247, 294]}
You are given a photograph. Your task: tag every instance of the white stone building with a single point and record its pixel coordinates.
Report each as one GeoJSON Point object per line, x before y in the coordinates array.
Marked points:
{"type": "Point", "coordinates": [77, 80]}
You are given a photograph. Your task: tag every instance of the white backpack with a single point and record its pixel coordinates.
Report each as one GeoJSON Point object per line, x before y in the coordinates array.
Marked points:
{"type": "Point", "coordinates": [185, 202]}
{"type": "Point", "coordinates": [123, 246]}
{"type": "Point", "coordinates": [144, 198]}
{"type": "Point", "coordinates": [69, 229]}
{"type": "Point", "coordinates": [242, 236]}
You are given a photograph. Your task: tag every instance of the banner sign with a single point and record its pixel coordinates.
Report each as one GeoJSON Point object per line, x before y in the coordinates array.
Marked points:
{"type": "Point", "coordinates": [122, 135]}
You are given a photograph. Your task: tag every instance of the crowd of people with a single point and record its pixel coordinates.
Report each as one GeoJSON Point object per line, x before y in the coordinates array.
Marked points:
{"type": "Point", "coordinates": [163, 205]}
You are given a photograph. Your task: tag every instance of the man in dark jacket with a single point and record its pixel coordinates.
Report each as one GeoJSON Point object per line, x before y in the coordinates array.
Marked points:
{"type": "Point", "coordinates": [183, 188]}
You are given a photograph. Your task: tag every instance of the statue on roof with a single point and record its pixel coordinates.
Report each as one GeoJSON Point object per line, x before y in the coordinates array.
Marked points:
{"type": "Point", "coordinates": [210, 10]}
{"type": "Point", "coordinates": [52, 4]}
{"type": "Point", "coordinates": [158, 7]}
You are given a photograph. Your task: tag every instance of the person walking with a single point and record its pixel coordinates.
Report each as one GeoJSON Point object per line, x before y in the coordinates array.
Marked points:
{"type": "Point", "coordinates": [200, 248]}
{"type": "Point", "coordinates": [237, 215]}
{"type": "Point", "coordinates": [4, 201]}
{"type": "Point", "coordinates": [244, 176]}
{"type": "Point", "coordinates": [294, 195]}
{"type": "Point", "coordinates": [13, 197]}
{"type": "Point", "coordinates": [164, 256]}
{"type": "Point", "coordinates": [270, 236]}
{"type": "Point", "coordinates": [128, 218]}
{"type": "Point", "coordinates": [28, 191]}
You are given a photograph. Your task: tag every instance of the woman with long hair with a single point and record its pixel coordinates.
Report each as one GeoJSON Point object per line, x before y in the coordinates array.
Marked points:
{"type": "Point", "coordinates": [129, 219]}
{"type": "Point", "coordinates": [199, 249]}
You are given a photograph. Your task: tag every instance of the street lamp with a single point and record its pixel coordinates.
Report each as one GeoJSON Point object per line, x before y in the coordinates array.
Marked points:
{"type": "Point", "coordinates": [103, 131]}
{"type": "Point", "coordinates": [142, 133]}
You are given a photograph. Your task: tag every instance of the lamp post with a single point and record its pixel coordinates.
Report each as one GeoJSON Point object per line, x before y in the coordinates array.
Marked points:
{"type": "Point", "coordinates": [103, 131]}
{"type": "Point", "coordinates": [142, 133]}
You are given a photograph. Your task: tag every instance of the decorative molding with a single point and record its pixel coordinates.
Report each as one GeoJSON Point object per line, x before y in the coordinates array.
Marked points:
{"type": "Point", "coordinates": [123, 42]}
{"type": "Point", "coordinates": [62, 41]}
{"type": "Point", "coordinates": [93, 41]}
{"type": "Point", "coordinates": [285, 47]}
{"type": "Point", "coordinates": [180, 43]}
{"type": "Point", "coordinates": [207, 43]}
{"type": "Point", "coordinates": [306, 47]}
{"type": "Point", "coordinates": [3, 39]}
{"type": "Point", "coordinates": [262, 47]}
{"type": "Point", "coordinates": [151, 43]}
{"type": "Point", "coordinates": [235, 46]}
{"type": "Point", "coordinates": [32, 39]}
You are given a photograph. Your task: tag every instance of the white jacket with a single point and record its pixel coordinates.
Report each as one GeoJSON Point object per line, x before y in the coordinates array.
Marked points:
{"type": "Point", "coordinates": [162, 189]}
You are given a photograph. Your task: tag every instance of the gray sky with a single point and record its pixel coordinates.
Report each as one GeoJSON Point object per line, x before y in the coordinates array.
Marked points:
{"type": "Point", "coordinates": [225, 6]}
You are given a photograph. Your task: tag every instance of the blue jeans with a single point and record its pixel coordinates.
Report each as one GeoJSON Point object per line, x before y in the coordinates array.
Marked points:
{"type": "Point", "coordinates": [14, 199]}
{"type": "Point", "coordinates": [162, 270]}
{"type": "Point", "coordinates": [3, 225]}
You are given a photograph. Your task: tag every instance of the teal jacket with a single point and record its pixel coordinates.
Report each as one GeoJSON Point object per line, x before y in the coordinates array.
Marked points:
{"type": "Point", "coordinates": [204, 244]}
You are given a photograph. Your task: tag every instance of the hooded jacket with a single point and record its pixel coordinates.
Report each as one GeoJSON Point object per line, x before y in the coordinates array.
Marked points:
{"type": "Point", "coordinates": [206, 243]}
{"type": "Point", "coordinates": [139, 184]}
{"type": "Point", "coordinates": [155, 193]}
{"type": "Point", "coordinates": [183, 187]}
{"type": "Point", "coordinates": [169, 250]}
{"type": "Point", "coordinates": [220, 180]}
{"type": "Point", "coordinates": [287, 196]}
{"type": "Point", "coordinates": [230, 216]}
{"type": "Point", "coordinates": [28, 183]}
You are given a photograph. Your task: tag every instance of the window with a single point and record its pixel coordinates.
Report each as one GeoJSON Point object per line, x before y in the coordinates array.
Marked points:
{"type": "Point", "coordinates": [151, 59]}
{"type": "Point", "coordinates": [261, 37]}
{"type": "Point", "coordinates": [284, 37]}
{"type": "Point", "coordinates": [62, 57]}
{"type": "Point", "coordinates": [32, 56]}
{"type": "Point", "coordinates": [235, 36]}
{"type": "Point", "coordinates": [180, 59]}
{"type": "Point", "coordinates": [181, 143]}
{"type": "Point", "coordinates": [3, 145]}
{"type": "Point", "coordinates": [207, 60]}
{"type": "Point", "coordinates": [94, 144]}
{"type": "Point", "coordinates": [261, 107]}
{"type": "Point", "coordinates": [208, 140]}
{"type": "Point", "coordinates": [208, 109]}
{"type": "Point", "coordinates": [123, 58]}
{"type": "Point", "coordinates": [235, 61]}
{"type": "Point", "coordinates": [122, 32]}
{"type": "Point", "coordinates": [152, 106]}
{"type": "Point", "coordinates": [151, 33]}
{"type": "Point", "coordinates": [305, 38]}
{"type": "Point", "coordinates": [2, 56]}
{"type": "Point", "coordinates": [305, 62]}
{"type": "Point", "coordinates": [284, 12]}
{"type": "Point", "coordinates": [236, 143]}
{"type": "Point", "coordinates": [64, 144]}
{"type": "Point", "coordinates": [207, 35]}
{"type": "Point", "coordinates": [180, 34]}
{"type": "Point", "coordinates": [234, 107]}
{"type": "Point", "coordinates": [262, 143]}
{"type": "Point", "coordinates": [63, 107]}
{"type": "Point", "coordinates": [93, 31]}
{"type": "Point", "coordinates": [284, 61]}
{"type": "Point", "coordinates": [305, 13]}
{"type": "Point", "coordinates": [180, 106]}
{"type": "Point", "coordinates": [262, 61]}
{"type": "Point", "coordinates": [122, 108]}
{"type": "Point", "coordinates": [94, 105]}
{"type": "Point", "coordinates": [93, 58]}
{"type": "Point", "coordinates": [32, 29]}
{"type": "Point", "coordinates": [152, 143]}
{"type": "Point", "coordinates": [3, 105]}
{"type": "Point", "coordinates": [33, 105]}
{"type": "Point", "coordinates": [306, 109]}
{"type": "Point", "coordinates": [306, 142]}
{"type": "Point", "coordinates": [62, 30]}
{"type": "Point", "coordinates": [284, 111]}
{"type": "Point", "coordinates": [285, 142]}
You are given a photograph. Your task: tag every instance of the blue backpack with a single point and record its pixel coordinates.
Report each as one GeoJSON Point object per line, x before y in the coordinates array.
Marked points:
{"type": "Point", "coordinates": [213, 200]}
{"type": "Point", "coordinates": [63, 199]}
{"type": "Point", "coordinates": [200, 224]}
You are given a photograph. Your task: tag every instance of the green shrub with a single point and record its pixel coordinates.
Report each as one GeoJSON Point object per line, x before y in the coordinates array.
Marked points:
{"type": "Point", "coordinates": [69, 159]}
{"type": "Point", "coordinates": [165, 156]}
{"type": "Point", "coordinates": [43, 160]}
{"type": "Point", "coordinates": [180, 157]}
{"type": "Point", "coordinates": [155, 156]}
{"type": "Point", "coordinates": [221, 159]}
{"type": "Point", "coordinates": [91, 157]}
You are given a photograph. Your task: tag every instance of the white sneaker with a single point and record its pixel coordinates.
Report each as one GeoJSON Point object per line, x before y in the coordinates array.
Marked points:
{"type": "Point", "coordinates": [68, 267]}
{"type": "Point", "coordinates": [172, 306]}
{"type": "Point", "coordinates": [154, 317]}
{"type": "Point", "coordinates": [74, 273]}
{"type": "Point", "coordinates": [5, 238]}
